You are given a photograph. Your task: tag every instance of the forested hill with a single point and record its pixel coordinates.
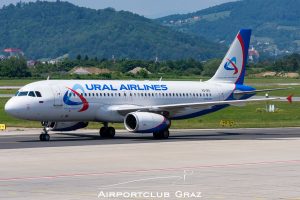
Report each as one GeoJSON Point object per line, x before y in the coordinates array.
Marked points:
{"type": "Point", "coordinates": [51, 29]}
{"type": "Point", "coordinates": [275, 23]}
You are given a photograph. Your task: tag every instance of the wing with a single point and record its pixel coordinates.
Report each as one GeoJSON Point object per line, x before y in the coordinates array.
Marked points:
{"type": "Point", "coordinates": [177, 108]}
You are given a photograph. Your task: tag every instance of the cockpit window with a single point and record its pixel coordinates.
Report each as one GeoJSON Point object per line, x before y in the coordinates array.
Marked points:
{"type": "Point", "coordinates": [17, 93]}
{"type": "Point", "coordinates": [38, 94]}
{"type": "Point", "coordinates": [31, 94]}
{"type": "Point", "coordinates": [22, 94]}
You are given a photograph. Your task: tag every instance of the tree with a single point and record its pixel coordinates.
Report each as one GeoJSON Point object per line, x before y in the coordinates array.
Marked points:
{"type": "Point", "coordinates": [14, 67]}
{"type": "Point", "coordinates": [210, 67]}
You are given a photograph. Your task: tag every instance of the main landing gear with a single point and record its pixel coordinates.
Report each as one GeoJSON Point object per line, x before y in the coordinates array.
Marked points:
{"type": "Point", "coordinates": [164, 134]}
{"type": "Point", "coordinates": [44, 135]}
{"type": "Point", "coordinates": [107, 132]}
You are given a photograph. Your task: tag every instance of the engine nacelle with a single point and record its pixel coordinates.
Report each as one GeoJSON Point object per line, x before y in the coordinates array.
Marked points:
{"type": "Point", "coordinates": [145, 122]}
{"type": "Point", "coordinates": [66, 126]}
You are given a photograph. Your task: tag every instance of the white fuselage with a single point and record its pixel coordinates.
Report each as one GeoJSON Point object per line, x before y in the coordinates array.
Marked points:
{"type": "Point", "coordinates": [59, 103]}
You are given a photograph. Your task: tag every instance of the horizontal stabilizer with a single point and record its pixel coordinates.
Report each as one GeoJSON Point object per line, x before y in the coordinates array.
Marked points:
{"type": "Point", "coordinates": [257, 91]}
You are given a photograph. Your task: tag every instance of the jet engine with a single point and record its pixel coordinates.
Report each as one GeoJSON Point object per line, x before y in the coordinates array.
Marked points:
{"type": "Point", "coordinates": [145, 122]}
{"type": "Point", "coordinates": [65, 126]}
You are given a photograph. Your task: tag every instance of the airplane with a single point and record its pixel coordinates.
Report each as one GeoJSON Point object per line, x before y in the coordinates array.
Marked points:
{"type": "Point", "coordinates": [143, 106]}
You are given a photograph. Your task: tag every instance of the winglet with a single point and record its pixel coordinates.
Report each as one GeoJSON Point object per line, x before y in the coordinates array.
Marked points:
{"type": "Point", "coordinates": [290, 98]}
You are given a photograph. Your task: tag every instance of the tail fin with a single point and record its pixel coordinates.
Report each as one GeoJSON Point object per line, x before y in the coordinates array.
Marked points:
{"type": "Point", "coordinates": [232, 68]}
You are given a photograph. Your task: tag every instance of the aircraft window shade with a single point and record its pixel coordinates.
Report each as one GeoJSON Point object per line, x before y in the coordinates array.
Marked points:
{"type": "Point", "coordinates": [38, 94]}
{"type": "Point", "coordinates": [31, 94]}
{"type": "Point", "coordinates": [21, 94]}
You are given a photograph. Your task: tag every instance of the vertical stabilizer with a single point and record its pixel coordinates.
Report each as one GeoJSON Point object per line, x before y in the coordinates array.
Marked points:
{"type": "Point", "coordinates": [232, 68]}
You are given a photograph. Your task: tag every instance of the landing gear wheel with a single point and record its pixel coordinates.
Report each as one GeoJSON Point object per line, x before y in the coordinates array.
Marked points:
{"type": "Point", "coordinates": [102, 132]}
{"type": "Point", "coordinates": [161, 134]}
{"type": "Point", "coordinates": [111, 132]}
{"type": "Point", "coordinates": [44, 137]}
{"type": "Point", "coordinates": [107, 132]}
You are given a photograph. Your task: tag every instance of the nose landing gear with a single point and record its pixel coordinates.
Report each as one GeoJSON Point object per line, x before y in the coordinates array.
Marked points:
{"type": "Point", "coordinates": [44, 136]}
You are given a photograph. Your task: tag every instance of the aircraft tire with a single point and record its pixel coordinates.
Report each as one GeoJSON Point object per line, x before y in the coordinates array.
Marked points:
{"type": "Point", "coordinates": [107, 132]}
{"type": "Point", "coordinates": [111, 132]}
{"type": "Point", "coordinates": [44, 137]}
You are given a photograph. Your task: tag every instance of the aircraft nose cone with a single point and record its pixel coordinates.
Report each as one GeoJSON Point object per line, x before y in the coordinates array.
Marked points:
{"type": "Point", "coordinates": [11, 108]}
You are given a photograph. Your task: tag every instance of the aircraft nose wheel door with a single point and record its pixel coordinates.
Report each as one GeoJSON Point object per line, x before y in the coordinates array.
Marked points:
{"type": "Point", "coordinates": [57, 96]}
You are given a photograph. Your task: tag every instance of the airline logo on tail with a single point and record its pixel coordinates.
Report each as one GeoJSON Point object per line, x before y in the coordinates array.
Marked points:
{"type": "Point", "coordinates": [231, 65]}
{"type": "Point", "coordinates": [73, 91]}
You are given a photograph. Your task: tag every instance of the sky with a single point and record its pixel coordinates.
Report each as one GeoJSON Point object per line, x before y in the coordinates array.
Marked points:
{"type": "Point", "coordinates": [147, 8]}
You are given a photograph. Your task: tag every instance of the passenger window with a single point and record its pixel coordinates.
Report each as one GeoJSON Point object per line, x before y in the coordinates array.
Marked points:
{"type": "Point", "coordinates": [31, 94]}
{"type": "Point", "coordinates": [38, 94]}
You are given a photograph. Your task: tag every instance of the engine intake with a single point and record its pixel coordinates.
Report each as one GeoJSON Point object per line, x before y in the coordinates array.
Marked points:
{"type": "Point", "coordinates": [145, 122]}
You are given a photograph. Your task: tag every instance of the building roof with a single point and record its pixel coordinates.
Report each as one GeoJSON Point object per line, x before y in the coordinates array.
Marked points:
{"type": "Point", "coordinates": [138, 69]}
{"type": "Point", "coordinates": [89, 70]}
